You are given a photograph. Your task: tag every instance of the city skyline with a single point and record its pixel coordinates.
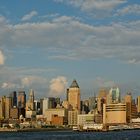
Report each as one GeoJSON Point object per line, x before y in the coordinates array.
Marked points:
{"type": "Point", "coordinates": [46, 44]}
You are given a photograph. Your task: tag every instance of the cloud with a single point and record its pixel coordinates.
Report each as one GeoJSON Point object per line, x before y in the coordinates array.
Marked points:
{"type": "Point", "coordinates": [8, 85]}
{"type": "Point", "coordinates": [97, 8]}
{"type": "Point", "coordinates": [2, 58]}
{"type": "Point", "coordinates": [68, 38]}
{"type": "Point", "coordinates": [29, 16]}
{"type": "Point", "coordinates": [58, 86]}
{"type": "Point", "coordinates": [32, 81]}
{"type": "Point", "coordinates": [103, 83]}
{"type": "Point", "coordinates": [130, 9]}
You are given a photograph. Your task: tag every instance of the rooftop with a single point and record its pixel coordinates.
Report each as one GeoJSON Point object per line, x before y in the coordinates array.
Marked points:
{"type": "Point", "coordinates": [74, 84]}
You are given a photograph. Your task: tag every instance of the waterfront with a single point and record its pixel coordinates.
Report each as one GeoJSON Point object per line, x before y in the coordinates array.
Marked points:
{"type": "Point", "coordinates": [70, 135]}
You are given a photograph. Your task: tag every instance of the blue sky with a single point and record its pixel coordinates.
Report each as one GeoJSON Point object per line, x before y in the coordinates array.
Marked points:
{"type": "Point", "coordinates": [46, 44]}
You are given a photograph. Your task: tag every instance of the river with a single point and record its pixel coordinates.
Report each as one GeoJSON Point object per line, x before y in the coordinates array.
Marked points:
{"type": "Point", "coordinates": [69, 135]}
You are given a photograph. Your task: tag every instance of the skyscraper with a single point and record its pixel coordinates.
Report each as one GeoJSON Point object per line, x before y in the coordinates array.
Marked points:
{"type": "Point", "coordinates": [30, 102]}
{"type": "Point", "coordinates": [138, 104]}
{"type": "Point", "coordinates": [2, 107]}
{"type": "Point", "coordinates": [48, 103]}
{"type": "Point", "coordinates": [21, 99]}
{"type": "Point", "coordinates": [73, 94]}
{"type": "Point", "coordinates": [21, 102]}
{"type": "Point", "coordinates": [114, 95]}
{"type": "Point", "coordinates": [13, 95]}
{"type": "Point", "coordinates": [8, 106]}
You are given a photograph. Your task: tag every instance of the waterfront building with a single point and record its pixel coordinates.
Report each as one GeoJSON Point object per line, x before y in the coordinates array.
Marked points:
{"type": "Point", "coordinates": [58, 120]}
{"type": "Point", "coordinates": [13, 95]}
{"type": "Point", "coordinates": [85, 119]}
{"type": "Point", "coordinates": [30, 102]}
{"type": "Point", "coordinates": [72, 117]}
{"type": "Point", "coordinates": [114, 113]}
{"type": "Point", "coordinates": [73, 95]}
{"type": "Point", "coordinates": [60, 112]}
{"type": "Point", "coordinates": [48, 103]}
{"type": "Point", "coordinates": [114, 96]}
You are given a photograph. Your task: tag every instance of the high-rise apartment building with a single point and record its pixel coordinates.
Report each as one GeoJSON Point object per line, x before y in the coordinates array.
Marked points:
{"type": "Point", "coordinates": [73, 95]}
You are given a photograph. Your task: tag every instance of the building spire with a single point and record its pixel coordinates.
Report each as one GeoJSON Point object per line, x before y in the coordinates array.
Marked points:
{"type": "Point", "coordinates": [74, 84]}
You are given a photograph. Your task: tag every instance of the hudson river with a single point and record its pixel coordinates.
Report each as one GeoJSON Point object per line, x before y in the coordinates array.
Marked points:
{"type": "Point", "coordinates": [69, 135]}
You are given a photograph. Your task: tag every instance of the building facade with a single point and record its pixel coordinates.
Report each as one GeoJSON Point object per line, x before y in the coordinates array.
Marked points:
{"type": "Point", "coordinates": [73, 95]}
{"type": "Point", "coordinates": [114, 114]}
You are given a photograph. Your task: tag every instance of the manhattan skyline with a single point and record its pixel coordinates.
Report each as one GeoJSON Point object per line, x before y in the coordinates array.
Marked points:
{"type": "Point", "coordinates": [46, 44]}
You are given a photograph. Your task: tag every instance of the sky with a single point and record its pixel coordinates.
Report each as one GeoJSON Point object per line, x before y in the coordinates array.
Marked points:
{"type": "Point", "coordinates": [45, 44]}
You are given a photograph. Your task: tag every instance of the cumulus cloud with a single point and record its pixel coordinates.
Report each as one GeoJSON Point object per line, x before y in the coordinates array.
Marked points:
{"type": "Point", "coordinates": [29, 16]}
{"type": "Point", "coordinates": [130, 9]}
{"type": "Point", "coordinates": [2, 58]}
{"type": "Point", "coordinates": [58, 86]}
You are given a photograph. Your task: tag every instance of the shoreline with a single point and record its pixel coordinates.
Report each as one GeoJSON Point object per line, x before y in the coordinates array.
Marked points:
{"type": "Point", "coordinates": [34, 129]}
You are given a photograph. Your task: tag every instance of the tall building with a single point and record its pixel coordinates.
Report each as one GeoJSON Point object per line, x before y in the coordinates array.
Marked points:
{"type": "Point", "coordinates": [13, 95]}
{"type": "Point", "coordinates": [2, 107]}
{"type": "Point", "coordinates": [73, 95]}
{"type": "Point", "coordinates": [128, 101]}
{"type": "Point", "coordinates": [21, 99]}
{"type": "Point", "coordinates": [114, 96]}
{"type": "Point", "coordinates": [30, 102]}
{"type": "Point", "coordinates": [48, 103]}
{"type": "Point", "coordinates": [101, 99]}
{"type": "Point", "coordinates": [21, 103]}
{"type": "Point", "coordinates": [8, 106]}
{"type": "Point", "coordinates": [92, 103]}
{"type": "Point", "coordinates": [138, 104]}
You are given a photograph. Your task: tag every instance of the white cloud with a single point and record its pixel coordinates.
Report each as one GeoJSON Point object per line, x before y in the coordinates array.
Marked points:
{"type": "Point", "coordinates": [8, 85]}
{"type": "Point", "coordinates": [29, 16]}
{"type": "Point", "coordinates": [130, 9]}
{"type": "Point", "coordinates": [2, 58]}
{"type": "Point", "coordinates": [68, 38]}
{"type": "Point", "coordinates": [32, 81]}
{"type": "Point", "coordinates": [58, 86]}
{"type": "Point", "coordinates": [97, 8]}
